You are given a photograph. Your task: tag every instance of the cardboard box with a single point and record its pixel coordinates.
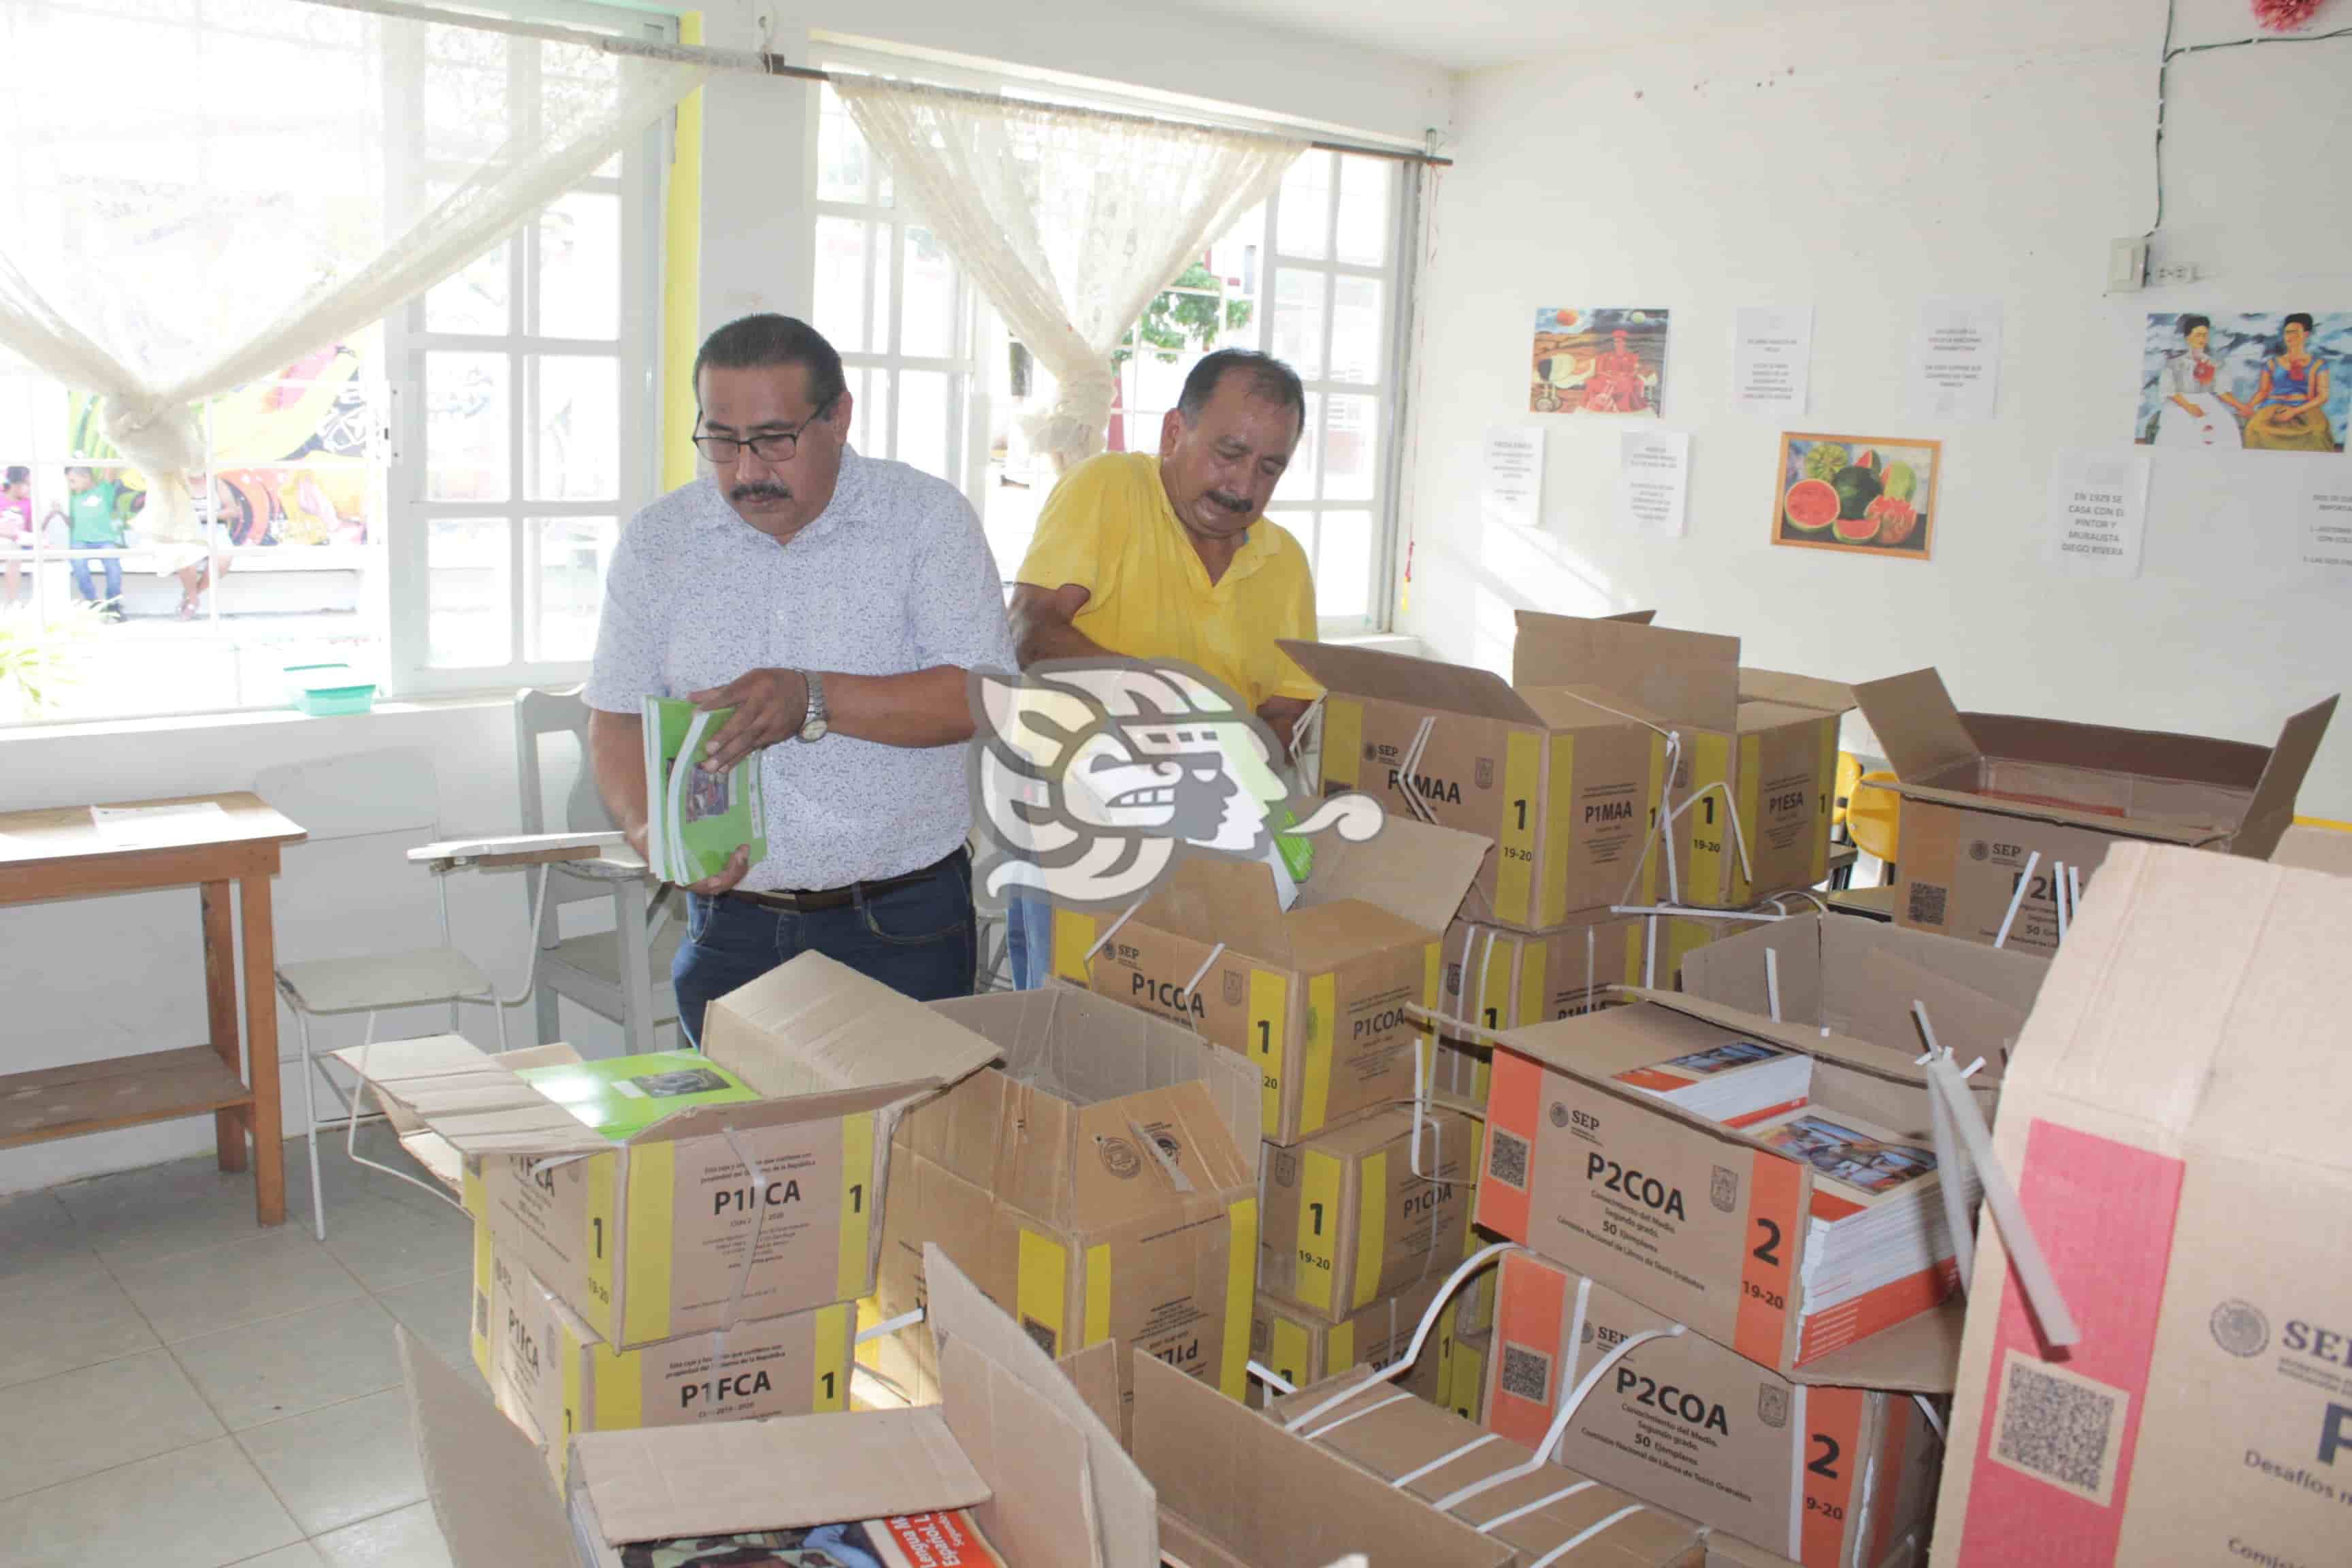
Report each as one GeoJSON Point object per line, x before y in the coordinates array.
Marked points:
{"type": "Point", "coordinates": [1699, 1220]}
{"type": "Point", "coordinates": [1101, 1185]}
{"type": "Point", "coordinates": [2313, 847]}
{"type": "Point", "coordinates": [1301, 1347]}
{"type": "Point", "coordinates": [645, 1238]}
{"type": "Point", "coordinates": [1910, 1550]}
{"type": "Point", "coordinates": [1500, 978]}
{"type": "Point", "coordinates": [1343, 1219]}
{"type": "Point", "coordinates": [1982, 793]}
{"type": "Point", "coordinates": [1438, 1456]}
{"type": "Point", "coordinates": [554, 1378]}
{"type": "Point", "coordinates": [1859, 979]}
{"type": "Point", "coordinates": [1563, 778]}
{"type": "Point", "coordinates": [1013, 1441]}
{"type": "Point", "coordinates": [1314, 998]}
{"type": "Point", "coordinates": [1831, 1476]}
{"type": "Point", "coordinates": [2174, 1122]}
{"type": "Point", "coordinates": [1755, 742]}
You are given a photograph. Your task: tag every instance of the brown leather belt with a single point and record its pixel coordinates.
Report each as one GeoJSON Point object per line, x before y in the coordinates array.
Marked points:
{"type": "Point", "coordinates": [838, 898]}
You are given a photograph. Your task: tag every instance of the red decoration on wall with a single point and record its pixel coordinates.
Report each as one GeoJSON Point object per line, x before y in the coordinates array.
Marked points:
{"type": "Point", "coordinates": [2285, 15]}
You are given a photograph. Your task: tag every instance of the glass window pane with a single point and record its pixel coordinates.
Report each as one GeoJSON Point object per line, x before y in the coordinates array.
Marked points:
{"type": "Point", "coordinates": [1355, 329]}
{"type": "Point", "coordinates": [927, 314]}
{"type": "Point", "coordinates": [869, 412]}
{"type": "Point", "coordinates": [925, 412]}
{"type": "Point", "coordinates": [580, 267]}
{"type": "Point", "coordinates": [469, 617]}
{"type": "Point", "coordinates": [466, 428]}
{"type": "Point", "coordinates": [576, 429]}
{"type": "Point", "coordinates": [1350, 448]}
{"type": "Point", "coordinates": [840, 283]}
{"type": "Point", "coordinates": [1298, 479]}
{"type": "Point", "coordinates": [1303, 216]}
{"type": "Point", "coordinates": [842, 160]}
{"type": "Point", "coordinates": [1298, 304]}
{"type": "Point", "coordinates": [475, 299]}
{"type": "Point", "coordinates": [1364, 210]}
{"type": "Point", "coordinates": [878, 325]}
{"type": "Point", "coordinates": [571, 554]}
{"type": "Point", "coordinates": [1343, 565]}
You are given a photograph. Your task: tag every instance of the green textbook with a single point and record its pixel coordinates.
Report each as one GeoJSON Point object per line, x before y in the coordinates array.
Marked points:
{"type": "Point", "coordinates": [621, 1096]}
{"type": "Point", "coordinates": [695, 821]}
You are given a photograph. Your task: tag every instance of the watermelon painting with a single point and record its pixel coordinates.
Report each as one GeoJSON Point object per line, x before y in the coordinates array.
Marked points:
{"type": "Point", "coordinates": [1865, 495]}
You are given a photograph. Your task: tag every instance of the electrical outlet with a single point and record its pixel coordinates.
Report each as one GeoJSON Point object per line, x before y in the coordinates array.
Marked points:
{"type": "Point", "coordinates": [2179, 272]}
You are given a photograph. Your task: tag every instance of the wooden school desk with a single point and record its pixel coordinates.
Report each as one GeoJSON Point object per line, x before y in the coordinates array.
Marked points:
{"type": "Point", "coordinates": [210, 841]}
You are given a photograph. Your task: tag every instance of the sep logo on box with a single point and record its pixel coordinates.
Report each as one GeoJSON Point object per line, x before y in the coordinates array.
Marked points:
{"type": "Point", "coordinates": [1772, 1406]}
{"type": "Point", "coordinates": [1723, 1190]}
{"type": "Point", "coordinates": [2240, 1328]}
{"type": "Point", "coordinates": [1120, 1158]}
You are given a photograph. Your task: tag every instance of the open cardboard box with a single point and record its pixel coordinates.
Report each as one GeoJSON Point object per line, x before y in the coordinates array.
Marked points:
{"type": "Point", "coordinates": [1722, 1247]}
{"type": "Point", "coordinates": [645, 1239]}
{"type": "Point", "coordinates": [1984, 793]}
{"type": "Point", "coordinates": [1101, 1185]}
{"type": "Point", "coordinates": [1315, 997]}
{"type": "Point", "coordinates": [2174, 1124]}
{"type": "Point", "coordinates": [1014, 1440]}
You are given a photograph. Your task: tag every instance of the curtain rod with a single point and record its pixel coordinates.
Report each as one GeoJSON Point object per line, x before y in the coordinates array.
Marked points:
{"type": "Point", "coordinates": [758, 62]}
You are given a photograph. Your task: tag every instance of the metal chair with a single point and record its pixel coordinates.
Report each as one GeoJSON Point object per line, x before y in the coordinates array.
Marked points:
{"type": "Point", "coordinates": [363, 811]}
{"type": "Point", "coordinates": [622, 973]}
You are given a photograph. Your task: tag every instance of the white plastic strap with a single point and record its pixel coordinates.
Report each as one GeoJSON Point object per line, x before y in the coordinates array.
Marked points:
{"type": "Point", "coordinates": [1582, 1536]}
{"type": "Point", "coordinates": [1927, 1408]}
{"type": "Point", "coordinates": [2017, 896]}
{"type": "Point", "coordinates": [1576, 1332]}
{"type": "Point", "coordinates": [890, 1325]}
{"type": "Point", "coordinates": [1272, 1379]}
{"type": "Point", "coordinates": [2058, 888]}
{"type": "Point", "coordinates": [1409, 765]}
{"type": "Point", "coordinates": [1772, 981]}
{"type": "Point", "coordinates": [1306, 722]}
{"type": "Point", "coordinates": [1649, 951]}
{"type": "Point", "coordinates": [1326, 1430]}
{"type": "Point", "coordinates": [2074, 888]}
{"type": "Point", "coordinates": [1439, 1463]}
{"type": "Point", "coordinates": [1797, 1479]}
{"type": "Point", "coordinates": [1567, 1413]}
{"type": "Point", "coordinates": [1112, 930]}
{"type": "Point", "coordinates": [759, 1226]}
{"type": "Point", "coordinates": [2025, 1256]}
{"type": "Point", "coordinates": [1524, 1508]}
{"type": "Point", "coordinates": [1762, 916]}
{"type": "Point", "coordinates": [1399, 1367]}
{"type": "Point", "coordinates": [1739, 835]}
{"type": "Point", "coordinates": [1192, 986]}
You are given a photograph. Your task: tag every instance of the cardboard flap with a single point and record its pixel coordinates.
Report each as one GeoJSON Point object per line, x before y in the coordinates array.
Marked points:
{"type": "Point", "coordinates": [2309, 848]}
{"type": "Point", "coordinates": [1268, 1498]}
{"type": "Point", "coordinates": [488, 1485]}
{"type": "Point", "coordinates": [1691, 677]}
{"type": "Point", "coordinates": [727, 1476]}
{"type": "Point", "coordinates": [1415, 871]}
{"type": "Point", "coordinates": [1916, 724]}
{"type": "Point", "coordinates": [1125, 1513]}
{"type": "Point", "coordinates": [1887, 1061]}
{"type": "Point", "coordinates": [1212, 899]}
{"type": "Point", "coordinates": [469, 1098]}
{"type": "Point", "coordinates": [1920, 1354]}
{"type": "Point", "coordinates": [2106, 823]}
{"type": "Point", "coordinates": [1633, 617]}
{"type": "Point", "coordinates": [812, 1024]}
{"type": "Point", "coordinates": [2271, 811]}
{"type": "Point", "coordinates": [1408, 681]}
{"type": "Point", "coordinates": [1795, 691]}
{"type": "Point", "coordinates": [1034, 1459]}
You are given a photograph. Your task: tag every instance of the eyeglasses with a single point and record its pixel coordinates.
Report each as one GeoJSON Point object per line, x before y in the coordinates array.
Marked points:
{"type": "Point", "coordinates": [777, 447]}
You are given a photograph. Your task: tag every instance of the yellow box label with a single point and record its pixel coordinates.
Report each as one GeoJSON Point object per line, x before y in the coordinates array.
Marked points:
{"type": "Point", "coordinates": [1494, 997]}
{"type": "Point", "coordinates": [856, 1202]}
{"type": "Point", "coordinates": [1322, 1024]}
{"type": "Point", "coordinates": [619, 1388]}
{"type": "Point", "coordinates": [1340, 1347]}
{"type": "Point", "coordinates": [651, 1171]}
{"type": "Point", "coordinates": [1825, 785]}
{"type": "Point", "coordinates": [1532, 993]}
{"type": "Point", "coordinates": [1098, 1294]}
{"type": "Point", "coordinates": [1318, 1232]}
{"type": "Point", "coordinates": [1293, 1348]}
{"type": "Point", "coordinates": [1074, 938]}
{"type": "Point", "coordinates": [1751, 763]}
{"type": "Point", "coordinates": [1653, 853]}
{"type": "Point", "coordinates": [604, 1237]}
{"type": "Point", "coordinates": [1343, 742]}
{"type": "Point", "coordinates": [1240, 1281]}
{"type": "Point", "coordinates": [1269, 1022]}
{"type": "Point", "coordinates": [827, 1389]}
{"type": "Point", "coordinates": [1372, 1229]}
{"type": "Point", "coordinates": [1514, 834]}
{"type": "Point", "coordinates": [1040, 1287]}
{"type": "Point", "coordinates": [479, 1327]}
{"type": "Point", "coordinates": [869, 1352]}
{"type": "Point", "coordinates": [1469, 1377]}
{"type": "Point", "coordinates": [1702, 818]}
{"type": "Point", "coordinates": [1559, 826]}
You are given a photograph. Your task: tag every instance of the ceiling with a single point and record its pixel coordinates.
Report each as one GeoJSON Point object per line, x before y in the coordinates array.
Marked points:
{"type": "Point", "coordinates": [1475, 34]}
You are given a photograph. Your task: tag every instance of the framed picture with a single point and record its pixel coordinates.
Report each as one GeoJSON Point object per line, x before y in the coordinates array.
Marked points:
{"type": "Point", "coordinates": [1603, 360]}
{"type": "Point", "coordinates": [1869, 495]}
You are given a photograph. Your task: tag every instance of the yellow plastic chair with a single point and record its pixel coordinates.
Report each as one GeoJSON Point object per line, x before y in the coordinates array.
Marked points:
{"type": "Point", "coordinates": [1849, 774]}
{"type": "Point", "coordinates": [1872, 817]}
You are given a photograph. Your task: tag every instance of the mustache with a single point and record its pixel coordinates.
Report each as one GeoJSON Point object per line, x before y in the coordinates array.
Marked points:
{"type": "Point", "coordinates": [759, 493]}
{"type": "Point", "coordinates": [1237, 504]}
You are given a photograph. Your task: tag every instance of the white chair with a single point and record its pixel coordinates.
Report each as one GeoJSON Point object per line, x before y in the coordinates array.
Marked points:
{"type": "Point", "coordinates": [622, 973]}
{"type": "Point", "coordinates": [363, 812]}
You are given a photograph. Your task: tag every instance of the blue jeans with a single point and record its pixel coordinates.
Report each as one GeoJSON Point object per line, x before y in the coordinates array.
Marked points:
{"type": "Point", "coordinates": [86, 589]}
{"type": "Point", "coordinates": [1028, 939]}
{"type": "Point", "coordinates": [919, 939]}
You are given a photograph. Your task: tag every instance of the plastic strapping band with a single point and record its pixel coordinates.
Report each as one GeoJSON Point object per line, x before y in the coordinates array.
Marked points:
{"type": "Point", "coordinates": [2025, 1256]}
{"type": "Point", "coordinates": [2058, 888]}
{"type": "Point", "coordinates": [1326, 1430]}
{"type": "Point", "coordinates": [1307, 720]}
{"type": "Point", "coordinates": [1580, 1537]}
{"type": "Point", "coordinates": [890, 1325]}
{"type": "Point", "coordinates": [2017, 896]}
{"type": "Point", "coordinates": [759, 1227]}
{"type": "Point", "coordinates": [1192, 987]}
{"type": "Point", "coordinates": [1797, 1480]}
{"type": "Point", "coordinates": [1567, 1413]}
{"type": "Point", "coordinates": [1410, 764]}
{"type": "Point", "coordinates": [1927, 1408]}
{"type": "Point", "coordinates": [1397, 1368]}
{"type": "Point", "coordinates": [1439, 1463]}
{"type": "Point", "coordinates": [1526, 1508]}
{"type": "Point", "coordinates": [1772, 981]}
{"type": "Point", "coordinates": [1869, 1489]}
{"type": "Point", "coordinates": [1752, 915]}
{"type": "Point", "coordinates": [1576, 1332]}
{"type": "Point", "coordinates": [1112, 930]}
{"type": "Point", "coordinates": [1272, 1379]}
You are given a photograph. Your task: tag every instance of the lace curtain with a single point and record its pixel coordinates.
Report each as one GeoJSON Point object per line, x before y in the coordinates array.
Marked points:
{"type": "Point", "coordinates": [195, 195]}
{"type": "Point", "coordinates": [1068, 220]}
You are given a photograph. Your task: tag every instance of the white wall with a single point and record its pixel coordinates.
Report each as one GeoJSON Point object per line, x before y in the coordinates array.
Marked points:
{"type": "Point", "coordinates": [1859, 162]}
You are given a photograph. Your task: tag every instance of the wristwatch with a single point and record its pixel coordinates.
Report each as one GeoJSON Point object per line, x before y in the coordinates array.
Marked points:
{"type": "Point", "coordinates": [813, 726]}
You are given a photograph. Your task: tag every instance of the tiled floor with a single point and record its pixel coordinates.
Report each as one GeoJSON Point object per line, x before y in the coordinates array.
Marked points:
{"type": "Point", "coordinates": [179, 1389]}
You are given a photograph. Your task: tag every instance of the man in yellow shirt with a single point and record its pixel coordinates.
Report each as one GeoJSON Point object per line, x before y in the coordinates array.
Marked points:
{"type": "Point", "coordinates": [1171, 557]}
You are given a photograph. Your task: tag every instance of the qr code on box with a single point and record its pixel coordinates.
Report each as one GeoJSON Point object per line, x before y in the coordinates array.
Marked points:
{"type": "Point", "coordinates": [2059, 1426]}
{"type": "Point", "coordinates": [1927, 904]}
{"type": "Point", "coordinates": [1508, 1158]}
{"type": "Point", "coordinates": [1526, 1375]}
